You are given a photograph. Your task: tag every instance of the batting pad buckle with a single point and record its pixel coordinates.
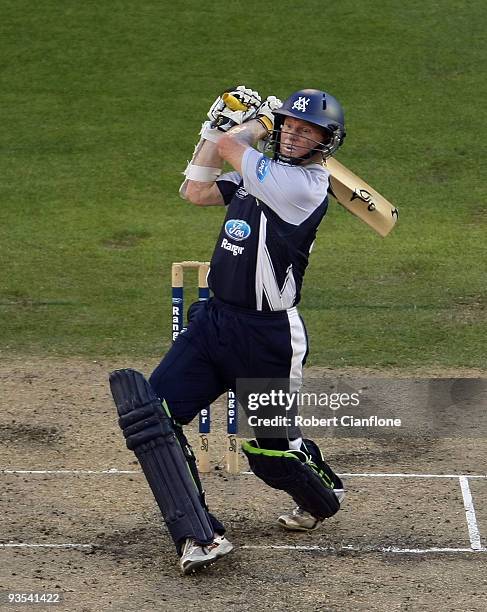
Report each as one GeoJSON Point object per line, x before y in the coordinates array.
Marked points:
{"type": "Point", "coordinates": [149, 432]}
{"type": "Point", "coordinates": [285, 471]}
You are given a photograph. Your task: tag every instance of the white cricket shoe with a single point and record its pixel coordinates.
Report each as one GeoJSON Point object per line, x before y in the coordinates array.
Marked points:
{"type": "Point", "coordinates": [224, 545]}
{"type": "Point", "coordinates": [340, 493]}
{"type": "Point", "coordinates": [196, 557]}
{"type": "Point", "coordinates": [300, 520]}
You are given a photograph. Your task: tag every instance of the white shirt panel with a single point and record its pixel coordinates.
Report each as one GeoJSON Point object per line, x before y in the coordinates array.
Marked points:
{"type": "Point", "coordinates": [293, 192]}
{"type": "Point", "coordinates": [232, 177]}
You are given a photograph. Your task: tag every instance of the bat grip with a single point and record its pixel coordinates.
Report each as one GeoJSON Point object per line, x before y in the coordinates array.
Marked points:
{"type": "Point", "coordinates": [233, 103]}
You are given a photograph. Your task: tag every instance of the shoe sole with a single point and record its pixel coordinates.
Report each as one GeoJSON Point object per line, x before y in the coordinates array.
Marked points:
{"type": "Point", "coordinates": [193, 566]}
{"type": "Point", "coordinates": [297, 527]}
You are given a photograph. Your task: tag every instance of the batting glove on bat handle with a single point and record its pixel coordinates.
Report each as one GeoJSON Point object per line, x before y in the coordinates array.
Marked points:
{"type": "Point", "coordinates": [233, 103]}
{"type": "Point", "coordinates": [265, 112]}
{"type": "Point", "coordinates": [234, 107]}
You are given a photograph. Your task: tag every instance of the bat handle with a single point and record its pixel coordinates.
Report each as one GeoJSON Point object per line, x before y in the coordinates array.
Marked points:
{"type": "Point", "coordinates": [233, 103]}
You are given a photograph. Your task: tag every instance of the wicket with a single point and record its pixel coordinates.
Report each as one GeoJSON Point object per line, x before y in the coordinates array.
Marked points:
{"type": "Point", "coordinates": [204, 428]}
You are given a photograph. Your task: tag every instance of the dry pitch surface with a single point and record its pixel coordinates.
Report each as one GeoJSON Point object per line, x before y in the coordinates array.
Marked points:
{"type": "Point", "coordinates": [59, 416]}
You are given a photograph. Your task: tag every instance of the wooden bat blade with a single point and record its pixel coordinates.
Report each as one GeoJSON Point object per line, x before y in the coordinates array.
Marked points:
{"type": "Point", "coordinates": [360, 198]}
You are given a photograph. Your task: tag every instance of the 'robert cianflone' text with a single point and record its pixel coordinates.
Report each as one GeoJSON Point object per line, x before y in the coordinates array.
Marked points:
{"type": "Point", "coordinates": [346, 420]}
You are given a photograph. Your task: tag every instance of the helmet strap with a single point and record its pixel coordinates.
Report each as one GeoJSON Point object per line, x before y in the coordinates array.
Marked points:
{"type": "Point", "coordinates": [328, 149]}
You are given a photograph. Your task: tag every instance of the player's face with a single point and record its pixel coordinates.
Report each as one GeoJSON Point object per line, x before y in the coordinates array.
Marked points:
{"type": "Point", "coordinates": [298, 137]}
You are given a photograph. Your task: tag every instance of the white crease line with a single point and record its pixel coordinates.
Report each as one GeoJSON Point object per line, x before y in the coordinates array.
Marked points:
{"type": "Point", "coordinates": [69, 472]}
{"type": "Point", "coordinates": [390, 475]}
{"type": "Point", "coordinates": [399, 475]}
{"type": "Point", "coordinates": [115, 471]}
{"type": "Point", "coordinates": [23, 545]}
{"type": "Point", "coordinates": [473, 530]}
{"type": "Point", "coordinates": [365, 549]}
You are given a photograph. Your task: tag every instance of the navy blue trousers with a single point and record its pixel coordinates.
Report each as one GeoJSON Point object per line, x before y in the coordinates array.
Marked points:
{"type": "Point", "coordinates": [221, 344]}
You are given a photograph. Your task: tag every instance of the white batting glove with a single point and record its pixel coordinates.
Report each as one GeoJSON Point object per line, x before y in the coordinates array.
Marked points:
{"type": "Point", "coordinates": [265, 112]}
{"type": "Point", "coordinates": [223, 117]}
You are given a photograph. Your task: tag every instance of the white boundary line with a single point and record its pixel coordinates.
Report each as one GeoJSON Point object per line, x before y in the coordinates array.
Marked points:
{"type": "Point", "coordinates": [473, 530]}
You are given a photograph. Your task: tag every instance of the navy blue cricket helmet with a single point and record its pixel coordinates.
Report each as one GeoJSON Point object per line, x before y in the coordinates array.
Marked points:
{"type": "Point", "coordinates": [316, 107]}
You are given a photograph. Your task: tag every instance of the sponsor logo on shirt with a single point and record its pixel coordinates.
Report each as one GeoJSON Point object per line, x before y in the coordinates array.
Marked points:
{"type": "Point", "coordinates": [263, 167]}
{"type": "Point", "coordinates": [233, 248]}
{"type": "Point", "coordinates": [241, 193]}
{"type": "Point", "coordinates": [238, 230]}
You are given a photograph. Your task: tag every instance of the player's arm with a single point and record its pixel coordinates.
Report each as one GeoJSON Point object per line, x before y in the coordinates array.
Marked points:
{"type": "Point", "coordinates": [203, 170]}
{"type": "Point", "coordinates": [233, 144]}
{"type": "Point", "coordinates": [206, 165]}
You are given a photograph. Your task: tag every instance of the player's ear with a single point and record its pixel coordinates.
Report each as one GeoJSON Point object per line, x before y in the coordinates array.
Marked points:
{"type": "Point", "coordinates": [326, 136]}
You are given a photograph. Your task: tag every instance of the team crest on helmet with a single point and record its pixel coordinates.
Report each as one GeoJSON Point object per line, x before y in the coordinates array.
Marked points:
{"type": "Point", "coordinates": [301, 104]}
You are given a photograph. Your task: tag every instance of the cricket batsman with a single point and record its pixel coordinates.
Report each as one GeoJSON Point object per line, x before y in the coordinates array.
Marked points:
{"type": "Point", "coordinates": [250, 328]}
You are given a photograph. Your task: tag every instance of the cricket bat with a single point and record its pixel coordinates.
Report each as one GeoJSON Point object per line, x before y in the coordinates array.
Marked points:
{"type": "Point", "coordinates": [349, 190]}
{"type": "Point", "coordinates": [360, 199]}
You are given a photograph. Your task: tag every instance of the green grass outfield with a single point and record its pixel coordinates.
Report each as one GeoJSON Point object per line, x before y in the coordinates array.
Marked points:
{"type": "Point", "coordinates": [101, 103]}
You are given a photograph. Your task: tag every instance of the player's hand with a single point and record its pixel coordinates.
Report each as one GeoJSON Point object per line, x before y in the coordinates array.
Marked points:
{"type": "Point", "coordinates": [266, 112]}
{"type": "Point", "coordinates": [223, 117]}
